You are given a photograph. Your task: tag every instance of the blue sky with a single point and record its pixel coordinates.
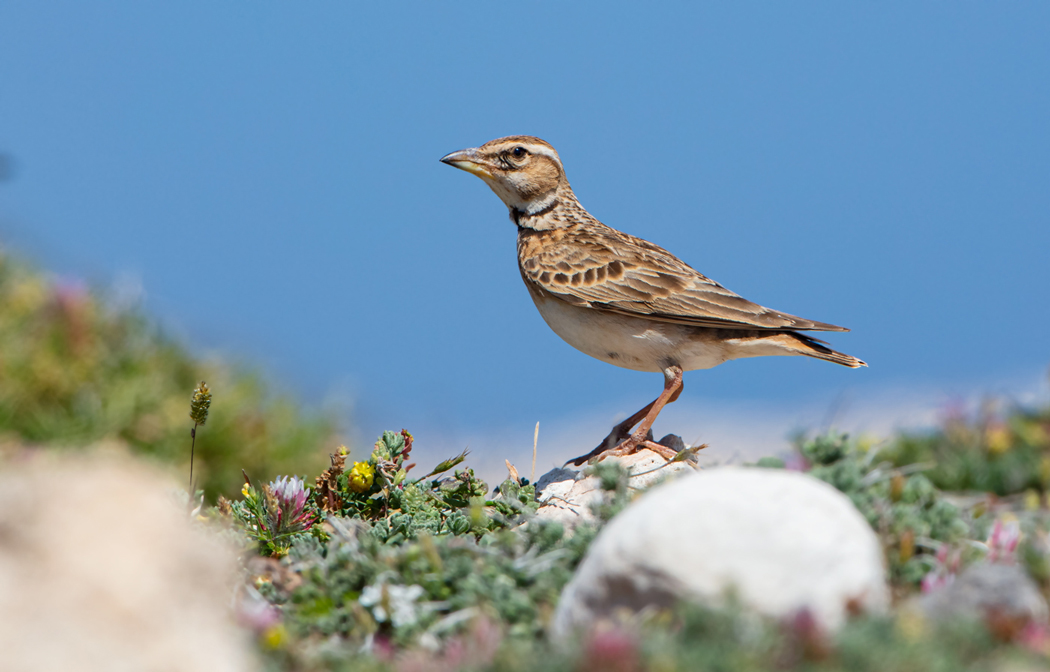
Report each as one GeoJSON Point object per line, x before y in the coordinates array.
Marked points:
{"type": "Point", "coordinates": [269, 173]}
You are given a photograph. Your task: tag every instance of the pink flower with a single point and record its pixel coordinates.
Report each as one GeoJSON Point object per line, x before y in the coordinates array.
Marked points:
{"type": "Point", "coordinates": [943, 573]}
{"type": "Point", "coordinates": [796, 462]}
{"type": "Point", "coordinates": [1036, 637]}
{"type": "Point", "coordinates": [611, 650]}
{"type": "Point", "coordinates": [1002, 542]}
{"type": "Point", "coordinates": [287, 509]}
{"type": "Point", "coordinates": [255, 613]}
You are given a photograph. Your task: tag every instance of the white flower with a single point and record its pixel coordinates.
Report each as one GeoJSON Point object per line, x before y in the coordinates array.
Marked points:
{"type": "Point", "coordinates": [392, 602]}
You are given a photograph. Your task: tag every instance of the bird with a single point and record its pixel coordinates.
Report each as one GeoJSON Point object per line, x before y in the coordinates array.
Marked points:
{"type": "Point", "coordinates": [622, 299]}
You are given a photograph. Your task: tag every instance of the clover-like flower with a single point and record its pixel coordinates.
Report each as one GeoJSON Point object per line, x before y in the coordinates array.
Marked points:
{"type": "Point", "coordinates": [285, 501]}
{"type": "Point", "coordinates": [361, 476]}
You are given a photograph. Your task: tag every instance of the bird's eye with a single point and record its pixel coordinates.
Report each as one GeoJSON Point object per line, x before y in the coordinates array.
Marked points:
{"type": "Point", "coordinates": [518, 152]}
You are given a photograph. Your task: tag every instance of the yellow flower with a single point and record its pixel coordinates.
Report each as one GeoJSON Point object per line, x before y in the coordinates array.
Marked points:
{"type": "Point", "coordinates": [1032, 500]}
{"type": "Point", "coordinates": [1044, 470]}
{"type": "Point", "coordinates": [244, 490]}
{"type": "Point", "coordinates": [361, 476]}
{"type": "Point", "coordinates": [911, 624]}
{"type": "Point", "coordinates": [998, 439]}
{"type": "Point", "coordinates": [275, 636]}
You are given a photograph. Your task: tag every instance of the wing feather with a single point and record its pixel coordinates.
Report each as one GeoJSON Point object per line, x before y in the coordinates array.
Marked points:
{"type": "Point", "coordinates": [605, 269]}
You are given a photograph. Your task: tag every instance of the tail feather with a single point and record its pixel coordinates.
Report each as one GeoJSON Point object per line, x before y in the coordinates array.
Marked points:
{"type": "Point", "coordinates": [812, 347]}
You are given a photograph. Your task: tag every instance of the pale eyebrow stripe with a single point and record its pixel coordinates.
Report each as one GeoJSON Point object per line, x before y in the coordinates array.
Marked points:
{"type": "Point", "coordinates": [545, 151]}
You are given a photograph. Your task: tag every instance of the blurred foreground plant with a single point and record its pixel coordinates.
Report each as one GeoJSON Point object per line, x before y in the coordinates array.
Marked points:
{"type": "Point", "coordinates": [77, 370]}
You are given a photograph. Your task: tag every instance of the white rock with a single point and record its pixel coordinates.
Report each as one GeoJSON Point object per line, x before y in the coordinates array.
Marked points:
{"type": "Point", "coordinates": [781, 540]}
{"type": "Point", "coordinates": [566, 495]}
{"type": "Point", "coordinates": [100, 569]}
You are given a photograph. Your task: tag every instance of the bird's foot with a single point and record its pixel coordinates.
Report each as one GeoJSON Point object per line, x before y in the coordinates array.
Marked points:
{"type": "Point", "coordinates": [632, 445]}
{"type": "Point", "coordinates": [618, 444]}
{"type": "Point", "coordinates": [616, 439]}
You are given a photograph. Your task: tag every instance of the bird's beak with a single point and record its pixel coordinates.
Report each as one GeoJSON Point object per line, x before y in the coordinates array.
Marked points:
{"type": "Point", "coordinates": [468, 160]}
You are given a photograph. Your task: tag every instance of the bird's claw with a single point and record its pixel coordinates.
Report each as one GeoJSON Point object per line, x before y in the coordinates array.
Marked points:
{"type": "Point", "coordinates": [617, 443]}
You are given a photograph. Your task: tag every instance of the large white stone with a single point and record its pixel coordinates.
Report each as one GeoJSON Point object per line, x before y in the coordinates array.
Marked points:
{"type": "Point", "coordinates": [781, 540]}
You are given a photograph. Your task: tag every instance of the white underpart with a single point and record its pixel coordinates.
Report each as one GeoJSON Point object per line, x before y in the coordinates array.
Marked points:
{"type": "Point", "coordinates": [646, 345]}
{"type": "Point", "coordinates": [508, 188]}
{"type": "Point", "coordinates": [539, 206]}
{"type": "Point", "coordinates": [506, 194]}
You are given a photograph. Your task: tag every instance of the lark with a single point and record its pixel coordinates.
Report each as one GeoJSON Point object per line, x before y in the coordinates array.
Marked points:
{"type": "Point", "coordinates": [622, 299]}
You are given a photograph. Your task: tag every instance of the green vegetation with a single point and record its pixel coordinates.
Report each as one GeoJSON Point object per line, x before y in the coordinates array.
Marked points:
{"type": "Point", "coordinates": [75, 371]}
{"type": "Point", "coordinates": [1001, 451]}
{"type": "Point", "coordinates": [358, 592]}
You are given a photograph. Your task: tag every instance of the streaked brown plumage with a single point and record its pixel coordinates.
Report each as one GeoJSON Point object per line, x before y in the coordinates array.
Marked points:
{"type": "Point", "coordinates": [622, 299]}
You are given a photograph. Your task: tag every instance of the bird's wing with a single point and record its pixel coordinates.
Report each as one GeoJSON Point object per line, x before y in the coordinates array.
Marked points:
{"type": "Point", "coordinates": [612, 271]}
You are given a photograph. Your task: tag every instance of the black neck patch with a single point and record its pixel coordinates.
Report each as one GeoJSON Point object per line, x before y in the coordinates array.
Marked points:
{"type": "Point", "coordinates": [517, 215]}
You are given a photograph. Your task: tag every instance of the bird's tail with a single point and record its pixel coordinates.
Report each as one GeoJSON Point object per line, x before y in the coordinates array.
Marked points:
{"type": "Point", "coordinates": [812, 347]}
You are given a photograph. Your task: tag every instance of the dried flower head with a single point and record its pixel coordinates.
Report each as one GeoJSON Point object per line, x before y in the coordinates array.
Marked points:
{"type": "Point", "coordinates": [200, 403]}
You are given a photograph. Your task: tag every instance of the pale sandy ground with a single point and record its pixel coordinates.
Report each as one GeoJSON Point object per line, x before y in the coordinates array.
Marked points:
{"type": "Point", "coordinates": [735, 431]}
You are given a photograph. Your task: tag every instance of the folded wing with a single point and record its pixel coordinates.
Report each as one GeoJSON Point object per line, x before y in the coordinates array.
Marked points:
{"type": "Point", "coordinates": [613, 271]}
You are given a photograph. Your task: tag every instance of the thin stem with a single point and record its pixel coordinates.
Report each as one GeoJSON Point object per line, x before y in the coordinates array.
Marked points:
{"type": "Point", "coordinates": [193, 444]}
{"type": "Point", "coordinates": [535, 440]}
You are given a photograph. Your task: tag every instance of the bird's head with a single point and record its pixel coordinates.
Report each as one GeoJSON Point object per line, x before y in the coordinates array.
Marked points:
{"type": "Point", "coordinates": [525, 172]}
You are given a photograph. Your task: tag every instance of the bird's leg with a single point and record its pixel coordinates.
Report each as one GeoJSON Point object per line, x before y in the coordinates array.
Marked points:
{"type": "Point", "coordinates": [619, 443]}
{"type": "Point", "coordinates": [672, 388]}
{"type": "Point", "coordinates": [616, 436]}
{"type": "Point", "coordinates": [623, 430]}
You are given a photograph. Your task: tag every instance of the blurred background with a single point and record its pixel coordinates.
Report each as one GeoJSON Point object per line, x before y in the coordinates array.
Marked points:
{"type": "Point", "coordinates": [255, 194]}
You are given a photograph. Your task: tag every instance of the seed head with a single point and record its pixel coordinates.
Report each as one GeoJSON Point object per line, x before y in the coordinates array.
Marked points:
{"type": "Point", "coordinates": [200, 403]}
